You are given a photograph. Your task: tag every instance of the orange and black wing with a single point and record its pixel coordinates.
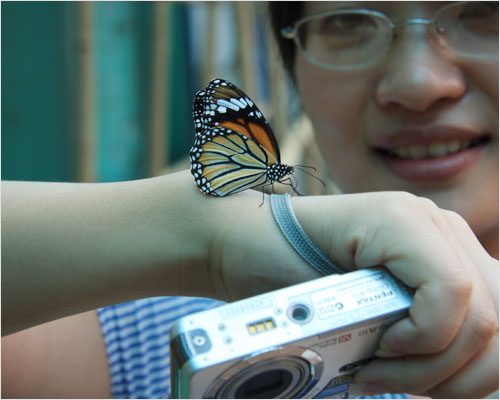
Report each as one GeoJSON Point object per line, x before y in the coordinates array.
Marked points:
{"type": "Point", "coordinates": [234, 143]}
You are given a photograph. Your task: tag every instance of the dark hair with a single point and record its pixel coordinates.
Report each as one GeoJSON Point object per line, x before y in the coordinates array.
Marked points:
{"type": "Point", "coordinates": [282, 14]}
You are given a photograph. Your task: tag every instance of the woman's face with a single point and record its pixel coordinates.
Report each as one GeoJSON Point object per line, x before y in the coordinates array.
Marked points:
{"type": "Point", "coordinates": [421, 119]}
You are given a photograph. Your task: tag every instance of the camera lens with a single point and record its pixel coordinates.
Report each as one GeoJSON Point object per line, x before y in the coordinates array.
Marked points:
{"type": "Point", "coordinates": [275, 373]}
{"type": "Point", "coordinates": [281, 377]}
{"type": "Point", "coordinates": [266, 385]}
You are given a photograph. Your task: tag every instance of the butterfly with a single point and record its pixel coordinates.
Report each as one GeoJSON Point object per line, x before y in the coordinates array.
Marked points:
{"type": "Point", "coordinates": [235, 148]}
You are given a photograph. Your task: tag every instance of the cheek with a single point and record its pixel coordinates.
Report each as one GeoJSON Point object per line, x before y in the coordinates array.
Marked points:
{"type": "Point", "coordinates": [486, 76]}
{"type": "Point", "coordinates": [322, 96]}
{"type": "Point", "coordinates": [338, 108]}
{"type": "Point", "coordinates": [483, 78]}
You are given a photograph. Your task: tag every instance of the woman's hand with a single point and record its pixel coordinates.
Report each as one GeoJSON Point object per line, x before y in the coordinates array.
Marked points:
{"type": "Point", "coordinates": [448, 346]}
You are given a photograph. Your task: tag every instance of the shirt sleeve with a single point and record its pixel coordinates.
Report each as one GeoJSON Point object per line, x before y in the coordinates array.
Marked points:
{"type": "Point", "coordinates": [136, 335]}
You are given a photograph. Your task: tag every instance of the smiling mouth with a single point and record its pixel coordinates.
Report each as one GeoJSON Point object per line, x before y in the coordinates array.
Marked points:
{"type": "Point", "coordinates": [434, 150]}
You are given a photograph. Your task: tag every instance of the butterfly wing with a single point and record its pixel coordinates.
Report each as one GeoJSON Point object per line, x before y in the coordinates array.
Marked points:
{"type": "Point", "coordinates": [228, 106]}
{"type": "Point", "coordinates": [198, 118]}
{"type": "Point", "coordinates": [234, 143]}
{"type": "Point", "coordinates": [230, 163]}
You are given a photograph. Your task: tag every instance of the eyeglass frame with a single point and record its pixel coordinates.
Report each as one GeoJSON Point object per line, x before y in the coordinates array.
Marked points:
{"type": "Point", "coordinates": [291, 32]}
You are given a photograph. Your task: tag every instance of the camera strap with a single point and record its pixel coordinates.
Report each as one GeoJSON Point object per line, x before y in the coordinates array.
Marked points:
{"type": "Point", "coordinates": [289, 225]}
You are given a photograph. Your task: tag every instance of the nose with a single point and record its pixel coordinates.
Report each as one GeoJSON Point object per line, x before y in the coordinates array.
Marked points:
{"type": "Point", "coordinates": [418, 76]}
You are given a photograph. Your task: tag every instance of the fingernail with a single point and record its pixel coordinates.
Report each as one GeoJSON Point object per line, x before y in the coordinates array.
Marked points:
{"type": "Point", "coordinates": [355, 391]}
{"type": "Point", "coordinates": [386, 352]}
{"type": "Point", "coordinates": [365, 389]}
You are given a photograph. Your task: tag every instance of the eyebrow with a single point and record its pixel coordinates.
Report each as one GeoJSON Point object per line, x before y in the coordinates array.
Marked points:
{"type": "Point", "coordinates": [335, 5]}
{"type": "Point", "coordinates": [340, 5]}
{"type": "Point", "coordinates": [390, 8]}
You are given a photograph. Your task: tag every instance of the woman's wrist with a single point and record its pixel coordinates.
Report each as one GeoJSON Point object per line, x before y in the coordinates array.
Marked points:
{"type": "Point", "coordinates": [171, 234]}
{"type": "Point", "coordinates": [248, 252]}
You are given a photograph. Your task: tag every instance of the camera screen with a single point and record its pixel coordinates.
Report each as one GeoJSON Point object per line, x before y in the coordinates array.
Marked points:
{"type": "Point", "coordinates": [266, 385]}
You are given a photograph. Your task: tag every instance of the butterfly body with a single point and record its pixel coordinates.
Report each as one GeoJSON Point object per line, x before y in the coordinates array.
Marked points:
{"type": "Point", "coordinates": [277, 171]}
{"type": "Point", "coordinates": [235, 148]}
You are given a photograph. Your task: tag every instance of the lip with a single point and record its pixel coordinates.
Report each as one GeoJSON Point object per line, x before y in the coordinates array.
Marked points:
{"type": "Point", "coordinates": [435, 168]}
{"type": "Point", "coordinates": [425, 136]}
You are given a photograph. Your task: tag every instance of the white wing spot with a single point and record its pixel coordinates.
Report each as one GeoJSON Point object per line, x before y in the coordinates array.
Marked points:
{"type": "Point", "coordinates": [238, 103]}
{"type": "Point", "coordinates": [225, 103]}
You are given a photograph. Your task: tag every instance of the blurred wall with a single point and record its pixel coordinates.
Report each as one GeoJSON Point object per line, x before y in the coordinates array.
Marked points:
{"type": "Point", "coordinates": [38, 105]}
{"type": "Point", "coordinates": [102, 91]}
{"type": "Point", "coordinates": [77, 89]}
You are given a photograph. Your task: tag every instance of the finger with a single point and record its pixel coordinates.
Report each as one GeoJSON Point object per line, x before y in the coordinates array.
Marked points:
{"type": "Point", "coordinates": [478, 379]}
{"type": "Point", "coordinates": [488, 265]}
{"type": "Point", "coordinates": [397, 340]}
{"type": "Point", "coordinates": [454, 368]}
{"type": "Point", "coordinates": [481, 309]}
{"type": "Point", "coordinates": [425, 259]}
{"type": "Point", "coordinates": [423, 374]}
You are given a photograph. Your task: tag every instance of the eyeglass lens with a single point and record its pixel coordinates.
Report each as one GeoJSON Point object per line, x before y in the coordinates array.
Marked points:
{"type": "Point", "coordinates": [355, 37]}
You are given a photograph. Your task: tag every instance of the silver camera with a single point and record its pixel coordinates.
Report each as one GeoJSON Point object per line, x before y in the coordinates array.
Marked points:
{"type": "Point", "coordinates": [303, 341]}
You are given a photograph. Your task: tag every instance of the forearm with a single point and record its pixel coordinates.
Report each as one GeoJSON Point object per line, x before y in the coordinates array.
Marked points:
{"type": "Point", "coordinates": [68, 248]}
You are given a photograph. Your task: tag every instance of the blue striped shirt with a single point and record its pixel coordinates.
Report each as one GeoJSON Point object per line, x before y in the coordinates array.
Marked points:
{"type": "Point", "coordinates": [136, 335]}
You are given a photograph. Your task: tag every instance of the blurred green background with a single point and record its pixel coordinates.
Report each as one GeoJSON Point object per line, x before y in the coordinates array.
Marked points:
{"type": "Point", "coordinates": [102, 91]}
{"type": "Point", "coordinates": [79, 80]}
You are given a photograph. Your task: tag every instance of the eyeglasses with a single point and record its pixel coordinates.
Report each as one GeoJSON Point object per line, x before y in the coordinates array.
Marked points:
{"type": "Point", "coordinates": [351, 38]}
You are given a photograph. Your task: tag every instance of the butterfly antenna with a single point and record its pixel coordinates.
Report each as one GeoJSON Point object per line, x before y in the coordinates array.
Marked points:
{"type": "Point", "coordinates": [306, 166]}
{"type": "Point", "coordinates": [301, 168]}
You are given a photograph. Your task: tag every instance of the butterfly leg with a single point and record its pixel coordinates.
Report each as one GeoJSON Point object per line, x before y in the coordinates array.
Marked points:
{"type": "Point", "coordinates": [263, 191]}
{"type": "Point", "coordinates": [288, 182]}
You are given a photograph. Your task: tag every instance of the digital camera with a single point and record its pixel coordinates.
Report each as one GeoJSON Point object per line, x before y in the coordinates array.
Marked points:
{"type": "Point", "coordinates": [303, 341]}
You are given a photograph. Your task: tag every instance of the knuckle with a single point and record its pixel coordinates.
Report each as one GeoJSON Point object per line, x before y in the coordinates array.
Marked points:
{"type": "Point", "coordinates": [456, 220]}
{"type": "Point", "coordinates": [485, 324]}
{"type": "Point", "coordinates": [427, 204]}
{"type": "Point", "coordinates": [399, 205]}
{"type": "Point", "coordinates": [456, 217]}
{"type": "Point", "coordinates": [459, 286]}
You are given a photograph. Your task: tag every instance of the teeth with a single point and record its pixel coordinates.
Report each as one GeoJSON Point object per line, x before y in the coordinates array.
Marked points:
{"type": "Point", "coordinates": [438, 149]}
{"type": "Point", "coordinates": [433, 150]}
{"type": "Point", "coordinates": [418, 152]}
{"type": "Point", "coordinates": [402, 152]}
{"type": "Point", "coordinates": [453, 147]}
{"type": "Point", "coordinates": [465, 144]}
